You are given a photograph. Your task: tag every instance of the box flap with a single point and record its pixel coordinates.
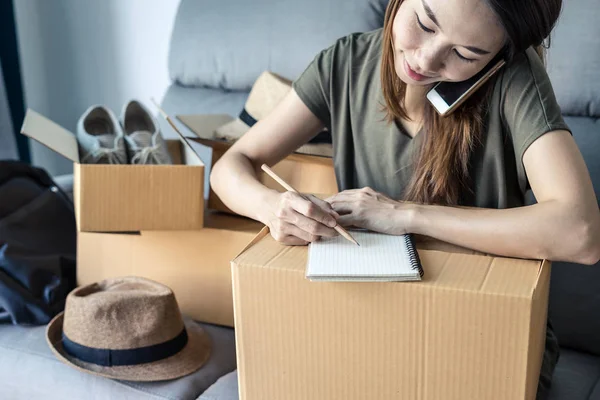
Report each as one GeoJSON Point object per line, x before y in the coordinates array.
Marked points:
{"type": "Point", "coordinates": [205, 125]}
{"type": "Point", "coordinates": [189, 146]}
{"type": "Point", "coordinates": [456, 271]}
{"type": "Point", "coordinates": [51, 135]}
{"type": "Point", "coordinates": [223, 145]}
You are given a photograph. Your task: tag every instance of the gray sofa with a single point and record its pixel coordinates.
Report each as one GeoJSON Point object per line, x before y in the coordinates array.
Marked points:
{"type": "Point", "coordinates": [218, 49]}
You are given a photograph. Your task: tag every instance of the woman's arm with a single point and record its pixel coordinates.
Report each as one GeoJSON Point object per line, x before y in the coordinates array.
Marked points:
{"type": "Point", "coordinates": [234, 178]}
{"type": "Point", "coordinates": [564, 225]}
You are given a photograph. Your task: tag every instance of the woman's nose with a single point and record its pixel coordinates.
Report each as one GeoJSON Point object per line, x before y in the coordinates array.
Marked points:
{"type": "Point", "coordinates": [430, 60]}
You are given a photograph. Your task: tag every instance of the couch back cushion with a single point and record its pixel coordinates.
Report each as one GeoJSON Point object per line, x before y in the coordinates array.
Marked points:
{"type": "Point", "coordinates": [228, 43]}
{"type": "Point", "coordinates": [574, 58]}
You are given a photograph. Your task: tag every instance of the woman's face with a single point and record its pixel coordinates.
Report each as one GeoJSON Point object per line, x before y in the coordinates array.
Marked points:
{"type": "Point", "coordinates": [444, 40]}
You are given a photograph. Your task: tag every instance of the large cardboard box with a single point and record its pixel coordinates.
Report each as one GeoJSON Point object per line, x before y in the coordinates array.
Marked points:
{"type": "Point", "coordinates": [118, 198]}
{"type": "Point", "coordinates": [306, 173]}
{"type": "Point", "coordinates": [473, 328]}
{"type": "Point", "coordinates": [194, 264]}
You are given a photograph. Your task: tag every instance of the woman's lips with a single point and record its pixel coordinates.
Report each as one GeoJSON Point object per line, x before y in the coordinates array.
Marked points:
{"type": "Point", "coordinates": [412, 74]}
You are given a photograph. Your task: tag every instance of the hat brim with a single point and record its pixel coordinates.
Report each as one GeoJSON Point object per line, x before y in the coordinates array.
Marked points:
{"type": "Point", "coordinates": [191, 358]}
{"type": "Point", "coordinates": [235, 129]}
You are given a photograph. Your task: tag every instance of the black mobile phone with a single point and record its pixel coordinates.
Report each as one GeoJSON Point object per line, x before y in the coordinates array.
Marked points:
{"type": "Point", "coordinates": [447, 96]}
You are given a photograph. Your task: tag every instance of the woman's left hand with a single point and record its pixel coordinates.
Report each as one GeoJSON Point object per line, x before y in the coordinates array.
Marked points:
{"type": "Point", "coordinates": [366, 208]}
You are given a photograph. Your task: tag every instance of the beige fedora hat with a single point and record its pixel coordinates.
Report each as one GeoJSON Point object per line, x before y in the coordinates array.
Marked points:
{"type": "Point", "coordinates": [127, 328]}
{"type": "Point", "coordinates": [267, 92]}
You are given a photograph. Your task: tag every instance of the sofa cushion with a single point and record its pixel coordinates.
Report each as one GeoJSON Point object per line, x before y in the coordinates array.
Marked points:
{"type": "Point", "coordinates": [586, 132]}
{"type": "Point", "coordinates": [226, 388]}
{"type": "Point", "coordinates": [228, 44]}
{"type": "Point", "coordinates": [29, 370]}
{"type": "Point", "coordinates": [574, 59]}
{"type": "Point", "coordinates": [575, 377]}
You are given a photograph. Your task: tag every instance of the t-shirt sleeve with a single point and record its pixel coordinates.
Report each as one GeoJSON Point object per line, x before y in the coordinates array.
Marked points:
{"type": "Point", "coordinates": [314, 84]}
{"type": "Point", "coordinates": [530, 108]}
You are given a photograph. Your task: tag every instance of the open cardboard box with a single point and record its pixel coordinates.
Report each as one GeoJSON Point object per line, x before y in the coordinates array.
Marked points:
{"type": "Point", "coordinates": [306, 173]}
{"type": "Point", "coordinates": [117, 198]}
{"type": "Point", "coordinates": [194, 264]}
{"type": "Point", "coordinates": [473, 328]}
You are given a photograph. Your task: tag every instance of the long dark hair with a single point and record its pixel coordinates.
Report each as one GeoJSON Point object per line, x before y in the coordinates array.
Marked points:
{"type": "Point", "coordinates": [441, 168]}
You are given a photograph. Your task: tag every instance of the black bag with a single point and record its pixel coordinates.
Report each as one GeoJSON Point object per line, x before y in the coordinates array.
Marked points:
{"type": "Point", "coordinates": [37, 245]}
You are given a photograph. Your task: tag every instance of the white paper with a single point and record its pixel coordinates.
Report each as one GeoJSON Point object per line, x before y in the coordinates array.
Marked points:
{"type": "Point", "coordinates": [379, 257]}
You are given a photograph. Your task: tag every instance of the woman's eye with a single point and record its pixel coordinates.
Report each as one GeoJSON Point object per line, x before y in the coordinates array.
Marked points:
{"type": "Point", "coordinates": [426, 29]}
{"type": "Point", "coordinates": [470, 60]}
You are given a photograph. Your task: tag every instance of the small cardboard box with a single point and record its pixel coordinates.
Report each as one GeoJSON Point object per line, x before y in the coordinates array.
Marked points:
{"type": "Point", "coordinates": [117, 198]}
{"type": "Point", "coordinates": [305, 173]}
{"type": "Point", "coordinates": [473, 328]}
{"type": "Point", "coordinates": [194, 264]}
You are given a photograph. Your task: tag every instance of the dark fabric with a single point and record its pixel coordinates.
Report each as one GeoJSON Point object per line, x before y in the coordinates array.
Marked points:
{"type": "Point", "coordinates": [116, 357]}
{"type": "Point", "coordinates": [575, 377]}
{"type": "Point", "coordinates": [11, 70]}
{"type": "Point", "coordinates": [575, 305]}
{"type": "Point", "coordinates": [37, 245]}
{"type": "Point", "coordinates": [342, 88]}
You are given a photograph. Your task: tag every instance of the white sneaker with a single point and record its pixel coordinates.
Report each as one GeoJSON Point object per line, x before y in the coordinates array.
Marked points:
{"type": "Point", "coordinates": [100, 137]}
{"type": "Point", "coordinates": [145, 143]}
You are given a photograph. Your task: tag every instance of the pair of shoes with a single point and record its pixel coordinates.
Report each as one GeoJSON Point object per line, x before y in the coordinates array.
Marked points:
{"type": "Point", "coordinates": [135, 139]}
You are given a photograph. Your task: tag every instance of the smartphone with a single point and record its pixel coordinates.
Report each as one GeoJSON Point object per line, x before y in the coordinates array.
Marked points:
{"type": "Point", "coordinates": [447, 96]}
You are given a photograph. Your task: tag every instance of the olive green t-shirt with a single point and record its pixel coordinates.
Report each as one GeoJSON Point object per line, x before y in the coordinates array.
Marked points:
{"type": "Point", "coordinates": [342, 88]}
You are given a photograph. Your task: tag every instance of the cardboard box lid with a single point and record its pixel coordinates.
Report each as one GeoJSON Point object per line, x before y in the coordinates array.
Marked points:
{"type": "Point", "coordinates": [205, 125]}
{"type": "Point", "coordinates": [457, 271]}
{"type": "Point", "coordinates": [51, 135]}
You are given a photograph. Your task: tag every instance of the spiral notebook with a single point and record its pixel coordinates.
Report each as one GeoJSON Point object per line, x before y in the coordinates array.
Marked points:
{"type": "Point", "coordinates": [379, 257]}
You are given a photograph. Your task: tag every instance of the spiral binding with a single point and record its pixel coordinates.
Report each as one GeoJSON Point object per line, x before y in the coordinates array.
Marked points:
{"type": "Point", "coordinates": [415, 261]}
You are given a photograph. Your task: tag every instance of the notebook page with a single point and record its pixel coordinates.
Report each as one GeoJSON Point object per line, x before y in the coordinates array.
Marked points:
{"type": "Point", "coordinates": [378, 256]}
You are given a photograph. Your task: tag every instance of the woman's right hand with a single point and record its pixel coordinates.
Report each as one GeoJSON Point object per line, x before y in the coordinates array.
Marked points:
{"type": "Point", "coordinates": [298, 219]}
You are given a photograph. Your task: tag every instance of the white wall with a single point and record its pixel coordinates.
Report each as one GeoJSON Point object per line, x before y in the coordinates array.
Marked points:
{"type": "Point", "coordinates": [76, 53]}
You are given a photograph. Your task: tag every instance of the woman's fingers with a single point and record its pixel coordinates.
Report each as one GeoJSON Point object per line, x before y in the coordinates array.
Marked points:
{"type": "Point", "coordinates": [343, 207]}
{"type": "Point", "coordinates": [287, 233]}
{"type": "Point", "coordinates": [324, 205]}
{"type": "Point", "coordinates": [312, 226]}
{"type": "Point", "coordinates": [293, 241]}
{"type": "Point", "coordinates": [302, 219]}
{"type": "Point", "coordinates": [312, 218]}
{"type": "Point", "coordinates": [347, 220]}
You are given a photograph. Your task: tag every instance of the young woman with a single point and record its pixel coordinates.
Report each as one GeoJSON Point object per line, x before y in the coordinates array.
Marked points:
{"type": "Point", "coordinates": [403, 168]}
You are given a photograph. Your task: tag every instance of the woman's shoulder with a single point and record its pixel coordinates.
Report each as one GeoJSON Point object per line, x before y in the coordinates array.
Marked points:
{"type": "Point", "coordinates": [362, 40]}
{"type": "Point", "coordinates": [356, 46]}
{"type": "Point", "coordinates": [525, 68]}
